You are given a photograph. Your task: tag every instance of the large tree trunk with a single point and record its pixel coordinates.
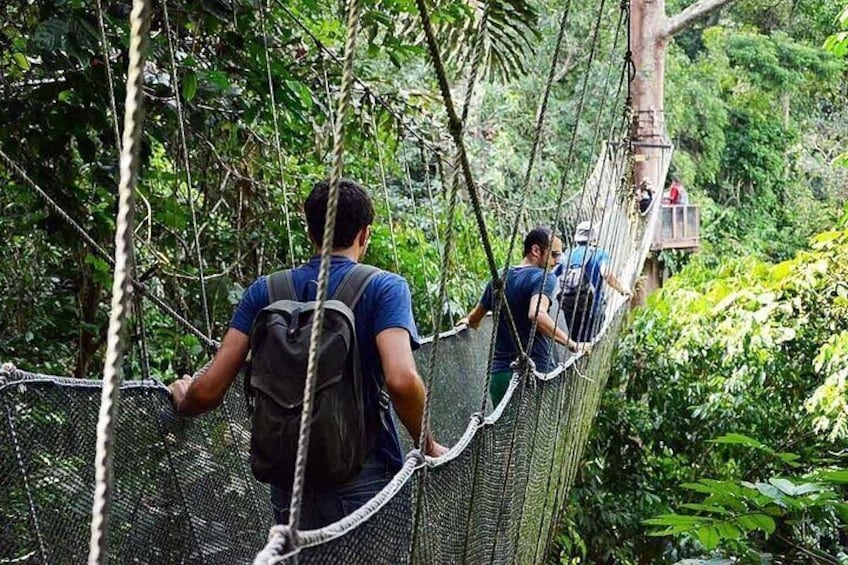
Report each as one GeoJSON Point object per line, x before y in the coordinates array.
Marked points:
{"type": "Point", "coordinates": [648, 129]}
{"type": "Point", "coordinates": [650, 32]}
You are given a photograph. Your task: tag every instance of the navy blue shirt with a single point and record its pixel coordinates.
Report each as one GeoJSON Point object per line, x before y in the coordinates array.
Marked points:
{"type": "Point", "coordinates": [386, 303]}
{"type": "Point", "coordinates": [522, 284]}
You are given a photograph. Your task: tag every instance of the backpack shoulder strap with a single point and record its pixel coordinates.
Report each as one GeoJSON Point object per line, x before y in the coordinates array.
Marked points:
{"type": "Point", "coordinates": [353, 285]}
{"type": "Point", "coordinates": [281, 286]}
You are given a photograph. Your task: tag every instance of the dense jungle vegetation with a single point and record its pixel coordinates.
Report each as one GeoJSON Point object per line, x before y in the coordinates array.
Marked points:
{"type": "Point", "coordinates": [723, 431]}
{"type": "Point", "coordinates": [722, 436]}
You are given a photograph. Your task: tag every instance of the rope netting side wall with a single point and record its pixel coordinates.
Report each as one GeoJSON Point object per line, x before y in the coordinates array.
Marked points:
{"type": "Point", "coordinates": [184, 492]}
{"type": "Point", "coordinates": [183, 488]}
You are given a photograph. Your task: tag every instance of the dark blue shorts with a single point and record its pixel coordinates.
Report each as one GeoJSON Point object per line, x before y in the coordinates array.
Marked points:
{"type": "Point", "coordinates": [322, 508]}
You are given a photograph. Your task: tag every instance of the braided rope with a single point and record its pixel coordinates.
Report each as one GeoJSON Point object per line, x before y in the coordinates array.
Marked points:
{"type": "Point", "coordinates": [121, 287]}
{"type": "Point", "coordinates": [277, 145]}
{"type": "Point", "coordinates": [189, 184]}
{"type": "Point", "coordinates": [447, 252]}
{"type": "Point", "coordinates": [452, 205]}
{"type": "Point", "coordinates": [138, 286]}
{"type": "Point", "coordinates": [455, 127]}
{"type": "Point", "coordinates": [324, 269]}
{"type": "Point", "coordinates": [571, 152]}
{"type": "Point", "coordinates": [138, 310]}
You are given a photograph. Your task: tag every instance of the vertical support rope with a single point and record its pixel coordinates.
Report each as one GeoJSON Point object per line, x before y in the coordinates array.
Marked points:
{"type": "Point", "coordinates": [121, 286]}
{"type": "Point", "coordinates": [189, 184]}
{"type": "Point", "coordinates": [454, 199]}
{"type": "Point", "coordinates": [277, 145]}
{"type": "Point", "coordinates": [324, 269]}
{"type": "Point", "coordinates": [138, 307]}
{"type": "Point", "coordinates": [455, 127]}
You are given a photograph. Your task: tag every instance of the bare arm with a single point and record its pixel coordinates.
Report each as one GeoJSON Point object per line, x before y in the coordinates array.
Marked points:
{"type": "Point", "coordinates": [538, 311]}
{"type": "Point", "coordinates": [404, 384]}
{"type": "Point", "coordinates": [473, 319]}
{"type": "Point", "coordinates": [196, 396]}
{"type": "Point", "coordinates": [613, 281]}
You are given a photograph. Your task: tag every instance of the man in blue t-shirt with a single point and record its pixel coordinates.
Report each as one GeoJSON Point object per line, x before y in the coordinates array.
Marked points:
{"type": "Point", "coordinates": [529, 294]}
{"type": "Point", "coordinates": [593, 264]}
{"type": "Point", "coordinates": [386, 335]}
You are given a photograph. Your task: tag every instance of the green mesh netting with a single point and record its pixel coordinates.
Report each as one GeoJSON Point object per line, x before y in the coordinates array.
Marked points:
{"type": "Point", "coordinates": [184, 492]}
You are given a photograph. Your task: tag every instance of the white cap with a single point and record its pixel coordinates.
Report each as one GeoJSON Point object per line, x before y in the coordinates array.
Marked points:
{"type": "Point", "coordinates": [585, 233]}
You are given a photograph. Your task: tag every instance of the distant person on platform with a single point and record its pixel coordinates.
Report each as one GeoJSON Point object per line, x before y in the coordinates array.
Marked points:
{"type": "Point", "coordinates": [646, 197]}
{"type": "Point", "coordinates": [529, 295]}
{"type": "Point", "coordinates": [676, 195]}
{"type": "Point", "coordinates": [582, 274]}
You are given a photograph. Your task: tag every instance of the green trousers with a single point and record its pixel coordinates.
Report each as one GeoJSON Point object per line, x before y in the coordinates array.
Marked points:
{"type": "Point", "coordinates": [498, 386]}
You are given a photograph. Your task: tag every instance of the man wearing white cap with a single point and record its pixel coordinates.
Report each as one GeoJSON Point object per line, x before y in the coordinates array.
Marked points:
{"type": "Point", "coordinates": [582, 273]}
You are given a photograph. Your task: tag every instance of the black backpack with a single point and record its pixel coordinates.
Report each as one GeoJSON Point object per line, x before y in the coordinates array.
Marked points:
{"type": "Point", "coordinates": [279, 343]}
{"type": "Point", "coordinates": [577, 296]}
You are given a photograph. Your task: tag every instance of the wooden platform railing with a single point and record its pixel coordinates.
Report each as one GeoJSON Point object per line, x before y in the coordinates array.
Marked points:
{"type": "Point", "coordinates": [680, 227]}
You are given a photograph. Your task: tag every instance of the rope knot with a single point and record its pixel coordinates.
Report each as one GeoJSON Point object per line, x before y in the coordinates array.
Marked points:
{"type": "Point", "coordinates": [524, 365]}
{"type": "Point", "coordinates": [7, 371]}
{"type": "Point", "coordinates": [418, 456]}
{"type": "Point", "coordinates": [283, 539]}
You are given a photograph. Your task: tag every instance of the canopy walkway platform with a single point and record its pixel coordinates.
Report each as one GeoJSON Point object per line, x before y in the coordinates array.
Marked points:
{"type": "Point", "coordinates": [679, 228]}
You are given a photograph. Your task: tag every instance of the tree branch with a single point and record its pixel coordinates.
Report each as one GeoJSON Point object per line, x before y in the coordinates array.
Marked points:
{"type": "Point", "coordinates": [687, 17]}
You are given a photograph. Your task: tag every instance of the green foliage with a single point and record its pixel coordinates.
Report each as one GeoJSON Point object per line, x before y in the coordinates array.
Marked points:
{"type": "Point", "coordinates": [744, 349]}
{"type": "Point", "coordinates": [838, 45]}
{"type": "Point", "coordinates": [56, 122]}
{"type": "Point", "coordinates": [731, 513]}
{"type": "Point", "coordinates": [747, 147]}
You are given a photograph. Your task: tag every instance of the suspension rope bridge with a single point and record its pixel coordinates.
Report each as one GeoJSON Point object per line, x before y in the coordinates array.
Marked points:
{"type": "Point", "coordinates": [175, 490]}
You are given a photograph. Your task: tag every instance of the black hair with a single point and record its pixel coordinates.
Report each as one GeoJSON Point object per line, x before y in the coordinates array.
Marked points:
{"type": "Point", "coordinates": [354, 213]}
{"type": "Point", "coordinates": [540, 236]}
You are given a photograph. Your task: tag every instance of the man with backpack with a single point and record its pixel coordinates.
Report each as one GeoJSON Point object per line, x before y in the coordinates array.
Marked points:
{"type": "Point", "coordinates": [529, 293]}
{"type": "Point", "coordinates": [582, 274]}
{"type": "Point", "coordinates": [365, 364]}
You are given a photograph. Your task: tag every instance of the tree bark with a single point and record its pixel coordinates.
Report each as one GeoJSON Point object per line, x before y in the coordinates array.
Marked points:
{"type": "Point", "coordinates": [650, 32]}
